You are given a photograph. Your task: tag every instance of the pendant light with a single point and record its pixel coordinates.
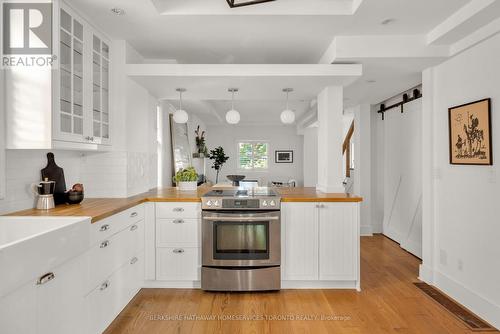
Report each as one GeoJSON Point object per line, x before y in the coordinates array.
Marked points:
{"type": "Point", "coordinates": [287, 116]}
{"type": "Point", "coordinates": [233, 116]}
{"type": "Point", "coordinates": [180, 115]}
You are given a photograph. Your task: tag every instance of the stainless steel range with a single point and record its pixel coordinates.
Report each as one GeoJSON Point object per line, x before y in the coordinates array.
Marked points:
{"type": "Point", "coordinates": [241, 243]}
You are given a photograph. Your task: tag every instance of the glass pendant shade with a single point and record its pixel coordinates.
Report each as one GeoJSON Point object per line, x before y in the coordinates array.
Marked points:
{"type": "Point", "coordinates": [180, 115]}
{"type": "Point", "coordinates": [233, 116]}
{"type": "Point", "coordinates": [287, 116]}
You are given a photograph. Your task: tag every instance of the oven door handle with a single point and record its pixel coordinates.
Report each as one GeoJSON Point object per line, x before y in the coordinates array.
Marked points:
{"type": "Point", "coordinates": [240, 219]}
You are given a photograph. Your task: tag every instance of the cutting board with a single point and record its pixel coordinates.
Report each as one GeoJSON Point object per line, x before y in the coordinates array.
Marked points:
{"type": "Point", "coordinates": [55, 173]}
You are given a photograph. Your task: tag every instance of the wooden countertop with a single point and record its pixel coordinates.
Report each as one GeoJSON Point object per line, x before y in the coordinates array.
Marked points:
{"type": "Point", "coordinates": [304, 194]}
{"type": "Point", "coordinates": [100, 208]}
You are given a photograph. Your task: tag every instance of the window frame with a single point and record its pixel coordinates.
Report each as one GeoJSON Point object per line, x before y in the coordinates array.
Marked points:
{"type": "Point", "coordinates": [252, 141]}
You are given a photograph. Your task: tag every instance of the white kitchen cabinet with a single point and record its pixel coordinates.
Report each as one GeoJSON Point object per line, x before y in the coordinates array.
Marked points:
{"type": "Point", "coordinates": [107, 300]}
{"type": "Point", "coordinates": [178, 264]}
{"type": "Point", "coordinates": [320, 243]}
{"type": "Point", "coordinates": [61, 303]}
{"type": "Point", "coordinates": [178, 239]}
{"type": "Point", "coordinates": [299, 230]}
{"type": "Point", "coordinates": [81, 114]}
{"type": "Point", "coordinates": [52, 304]}
{"type": "Point", "coordinates": [18, 311]}
{"type": "Point", "coordinates": [60, 109]}
{"type": "Point", "coordinates": [338, 241]}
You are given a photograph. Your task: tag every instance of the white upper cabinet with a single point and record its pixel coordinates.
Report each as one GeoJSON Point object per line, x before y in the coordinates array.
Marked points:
{"type": "Point", "coordinates": [66, 106]}
{"type": "Point", "coordinates": [82, 112]}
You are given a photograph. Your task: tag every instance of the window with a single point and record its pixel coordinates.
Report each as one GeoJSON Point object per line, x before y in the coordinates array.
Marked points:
{"type": "Point", "coordinates": [253, 155]}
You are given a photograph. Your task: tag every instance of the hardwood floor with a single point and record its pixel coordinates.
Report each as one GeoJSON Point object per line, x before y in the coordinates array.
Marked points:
{"type": "Point", "coordinates": [388, 303]}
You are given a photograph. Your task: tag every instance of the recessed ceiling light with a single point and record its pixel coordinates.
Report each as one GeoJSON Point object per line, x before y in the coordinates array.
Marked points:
{"type": "Point", "coordinates": [371, 81]}
{"type": "Point", "coordinates": [387, 21]}
{"type": "Point", "coordinates": [118, 11]}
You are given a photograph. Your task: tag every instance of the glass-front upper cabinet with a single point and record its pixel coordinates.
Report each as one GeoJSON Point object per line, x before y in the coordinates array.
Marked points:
{"type": "Point", "coordinates": [71, 113]}
{"type": "Point", "coordinates": [82, 111]}
{"type": "Point", "coordinates": [100, 89]}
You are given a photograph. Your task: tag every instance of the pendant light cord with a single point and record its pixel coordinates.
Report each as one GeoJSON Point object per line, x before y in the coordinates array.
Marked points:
{"type": "Point", "coordinates": [180, 100]}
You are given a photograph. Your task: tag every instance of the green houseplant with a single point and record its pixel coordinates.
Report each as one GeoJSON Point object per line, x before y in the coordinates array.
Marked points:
{"type": "Point", "coordinates": [219, 159]}
{"type": "Point", "coordinates": [186, 179]}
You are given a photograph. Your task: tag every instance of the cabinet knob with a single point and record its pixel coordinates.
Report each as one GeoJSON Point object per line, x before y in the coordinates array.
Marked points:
{"type": "Point", "coordinates": [104, 227]}
{"type": "Point", "coordinates": [104, 244]}
{"type": "Point", "coordinates": [134, 260]}
{"type": "Point", "coordinates": [178, 209]}
{"type": "Point", "coordinates": [133, 214]}
{"type": "Point", "coordinates": [45, 278]}
{"type": "Point", "coordinates": [178, 251]}
{"type": "Point", "coordinates": [104, 285]}
{"type": "Point", "coordinates": [133, 227]}
{"type": "Point", "coordinates": [178, 221]}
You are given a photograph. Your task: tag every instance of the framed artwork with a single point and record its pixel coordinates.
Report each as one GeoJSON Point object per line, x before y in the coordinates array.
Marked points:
{"type": "Point", "coordinates": [283, 157]}
{"type": "Point", "coordinates": [470, 133]}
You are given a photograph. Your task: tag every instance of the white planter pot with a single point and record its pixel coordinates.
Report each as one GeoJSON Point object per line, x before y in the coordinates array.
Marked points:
{"type": "Point", "coordinates": [188, 186]}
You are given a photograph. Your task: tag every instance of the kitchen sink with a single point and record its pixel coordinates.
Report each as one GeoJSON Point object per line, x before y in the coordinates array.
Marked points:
{"type": "Point", "coordinates": [32, 246]}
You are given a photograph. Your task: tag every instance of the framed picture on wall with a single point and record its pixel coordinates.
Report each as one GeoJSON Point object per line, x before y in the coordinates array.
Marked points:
{"type": "Point", "coordinates": [470, 133]}
{"type": "Point", "coordinates": [283, 157]}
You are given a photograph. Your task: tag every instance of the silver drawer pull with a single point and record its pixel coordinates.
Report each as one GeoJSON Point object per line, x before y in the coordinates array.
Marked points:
{"type": "Point", "coordinates": [104, 285]}
{"type": "Point", "coordinates": [105, 244]}
{"type": "Point", "coordinates": [178, 221]}
{"type": "Point", "coordinates": [133, 227]}
{"type": "Point", "coordinates": [45, 278]}
{"type": "Point", "coordinates": [104, 227]}
{"type": "Point", "coordinates": [133, 214]}
{"type": "Point", "coordinates": [134, 260]}
{"type": "Point", "coordinates": [178, 209]}
{"type": "Point", "coordinates": [178, 251]}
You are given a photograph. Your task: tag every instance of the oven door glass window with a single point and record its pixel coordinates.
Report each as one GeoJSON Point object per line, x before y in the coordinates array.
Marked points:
{"type": "Point", "coordinates": [241, 240]}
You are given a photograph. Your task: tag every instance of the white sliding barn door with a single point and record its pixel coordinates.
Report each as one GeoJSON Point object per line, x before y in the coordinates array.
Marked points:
{"type": "Point", "coordinates": [403, 176]}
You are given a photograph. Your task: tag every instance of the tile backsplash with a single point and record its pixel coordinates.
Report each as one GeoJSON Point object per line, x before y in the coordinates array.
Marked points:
{"type": "Point", "coordinates": [108, 174]}
{"type": "Point", "coordinates": [22, 168]}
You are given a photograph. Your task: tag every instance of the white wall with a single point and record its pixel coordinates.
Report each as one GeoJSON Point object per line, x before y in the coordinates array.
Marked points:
{"type": "Point", "coordinates": [310, 157]}
{"type": "Point", "coordinates": [2, 136]}
{"type": "Point", "coordinates": [463, 229]}
{"type": "Point", "coordinates": [278, 137]}
{"type": "Point", "coordinates": [377, 171]}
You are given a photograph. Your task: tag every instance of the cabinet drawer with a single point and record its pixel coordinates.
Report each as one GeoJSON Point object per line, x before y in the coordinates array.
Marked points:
{"type": "Point", "coordinates": [105, 228]}
{"type": "Point", "coordinates": [112, 294]}
{"type": "Point", "coordinates": [177, 232]}
{"type": "Point", "coordinates": [109, 254]}
{"type": "Point", "coordinates": [178, 210]}
{"type": "Point", "coordinates": [178, 264]}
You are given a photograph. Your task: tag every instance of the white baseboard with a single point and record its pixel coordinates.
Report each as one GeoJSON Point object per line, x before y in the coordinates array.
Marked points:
{"type": "Point", "coordinates": [284, 285]}
{"type": "Point", "coordinates": [366, 230]}
{"type": "Point", "coordinates": [480, 305]}
{"type": "Point", "coordinates": [377, 228]}
{"type": "Point", "coordinates": [172, 284]}
{"type": "Point", "coordinates": [320, 285]}
{"type": "Point", "coordinates": [426, 274]}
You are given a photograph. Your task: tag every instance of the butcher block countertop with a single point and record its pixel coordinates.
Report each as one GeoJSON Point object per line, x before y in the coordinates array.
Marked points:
{"type": "Point", "coordinates": [100, 208]}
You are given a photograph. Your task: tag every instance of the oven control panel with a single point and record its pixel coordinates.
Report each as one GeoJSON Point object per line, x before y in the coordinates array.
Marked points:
{"type": "Point", "coordinates": [209, 203]}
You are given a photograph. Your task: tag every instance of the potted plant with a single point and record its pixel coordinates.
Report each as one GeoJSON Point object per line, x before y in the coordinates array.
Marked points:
{"type": "Point", "coordinates": [200, 143]}
{"type": "Point", "coordinates": [219, 158]}
{"type": "Point", "coordinates": [186, 179]}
